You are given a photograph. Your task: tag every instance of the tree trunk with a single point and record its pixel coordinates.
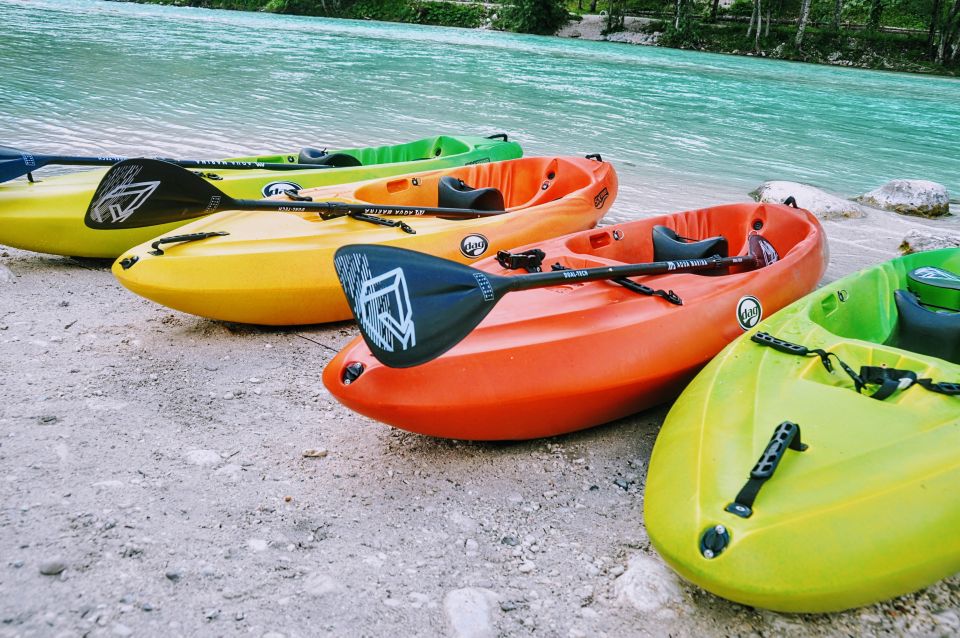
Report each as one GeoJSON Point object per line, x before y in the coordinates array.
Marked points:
{"type": "Point", "coordinates": [934, 22]}
{"type": "Point", "coordinates": [713, 11]}
{"type": "Point", "coordinates": [838, 9]}
{"type": "Point", "coordinates": [948, 34]}
{"type": "Point", "coordinates": [679, 14]}
{"type": "Point", "coordinates": [766, 29]}
{"type": "Point", "coordinates": [875, 15]}
{"type": "Point", "coordinates": [756, 40]}
{"type": "Point", "coordinates": [593, 6]}
{"type": "Point", "coordinates": [802, 26]}
{"type": "Point", "coordinates": [753, 18]}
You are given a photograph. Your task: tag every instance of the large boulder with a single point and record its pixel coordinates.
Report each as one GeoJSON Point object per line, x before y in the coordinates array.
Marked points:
{"type": "Point", "coordinates": [910, 197]}
{"type": "Point", "coordinates": [917, 242]}
{"type": "Point", "coordinates": [819, 202]}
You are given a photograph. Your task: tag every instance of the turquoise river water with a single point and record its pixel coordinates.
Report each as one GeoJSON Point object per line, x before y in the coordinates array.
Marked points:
{"type": "Point", "coordinates": [684, 129]}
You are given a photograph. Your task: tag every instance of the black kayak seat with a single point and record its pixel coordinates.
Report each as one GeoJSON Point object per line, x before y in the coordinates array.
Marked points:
{"type": "Point", "coordinates": [668, 246]}
{"type": "Point", "coordinates": [924, 330]}
{"type": "Point", "coordinates": [454, 193]}
{"type": "Point", "coordinates": [322, 158]}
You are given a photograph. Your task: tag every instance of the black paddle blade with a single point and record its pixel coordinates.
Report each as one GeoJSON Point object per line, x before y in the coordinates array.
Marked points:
{"type": "Point", "coordinates": [762, 251]}
{"type": "Point", "coordinates": [15, 163]}
{"type": "Point", "coordinates": [143, 192]}
{"type": "Point", "coordinates": [412, 307]}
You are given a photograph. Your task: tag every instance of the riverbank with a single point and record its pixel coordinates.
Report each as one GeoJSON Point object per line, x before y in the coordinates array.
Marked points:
{"type": "Point", "coordinates": [905, 51]}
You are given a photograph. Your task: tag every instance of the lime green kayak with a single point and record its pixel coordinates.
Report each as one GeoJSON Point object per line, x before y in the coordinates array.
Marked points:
{"type": "Point", "coordinates": [47, 215]}
{"type": "Point", "coordinates": [854, 498]}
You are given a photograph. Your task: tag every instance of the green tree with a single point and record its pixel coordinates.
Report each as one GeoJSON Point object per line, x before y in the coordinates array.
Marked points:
{"type": "Point", "coordinates": [543, 17]}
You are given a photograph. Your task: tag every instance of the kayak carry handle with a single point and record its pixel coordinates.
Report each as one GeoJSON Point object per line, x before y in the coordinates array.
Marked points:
{"type": "Point", "coordinates": [785, 436]}
{"type": "Point", "coordinates": [767, 339]}
{"type": "Point", "coordinates": [498, 136]}
{"type": "Point", "coordinates": [175, 239]}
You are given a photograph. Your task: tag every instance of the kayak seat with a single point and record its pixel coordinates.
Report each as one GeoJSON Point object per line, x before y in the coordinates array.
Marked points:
{"type": "Point", "coordinates": [926, 331]}
{"type": "Point", "coordinates": [454, 193]}
{"type": "Point", "coordinates": [322, 158]}
{"type": "Point", "coordinates": [668, 246]}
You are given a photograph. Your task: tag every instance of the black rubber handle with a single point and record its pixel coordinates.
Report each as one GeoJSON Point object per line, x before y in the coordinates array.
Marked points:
{"type": "Point", "coordinates": [767, 339]}
{"type": "Point", "coordinates": [787, 435]}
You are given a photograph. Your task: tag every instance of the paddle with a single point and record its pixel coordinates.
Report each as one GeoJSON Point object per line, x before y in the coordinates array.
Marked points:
{"type": "Point", "coordinates": [136, 193]}
{"type": "Point", "coordinates": [412, 307]}
{"type": "Point", "coordinates": [15, 163]}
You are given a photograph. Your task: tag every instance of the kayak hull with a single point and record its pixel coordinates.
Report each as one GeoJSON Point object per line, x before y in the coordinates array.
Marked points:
{"type": "Point", "coordinates": [867, 512]}
{"type": "Point", "coordinates": [277, 268]}
{"type": "Point", "coordinates": [554, 360]}
{"type": "Point", "coordinates": [46, 216]}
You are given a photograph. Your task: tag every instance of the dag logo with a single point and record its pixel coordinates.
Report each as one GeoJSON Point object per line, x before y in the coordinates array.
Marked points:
{"type": "Point", "coordinates": [473, 246]}
{"type": "Point", "coordinates": [278, 188]}
{"type": "Point", "coordinates": [749, 312]}
{"type": "Point", "coordinates": [601, 197]}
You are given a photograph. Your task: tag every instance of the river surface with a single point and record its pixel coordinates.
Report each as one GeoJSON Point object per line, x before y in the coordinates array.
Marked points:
{"type": "Point", "coordinates": [684, 129]}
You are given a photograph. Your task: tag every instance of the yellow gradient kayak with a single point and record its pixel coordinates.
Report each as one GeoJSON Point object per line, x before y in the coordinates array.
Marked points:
{"type": "Point", "coordinates": [47, 215]}
{"type": "Point", "coordinates": [277, 268]}
{"type": "Point", "coordinates": [868, 509]}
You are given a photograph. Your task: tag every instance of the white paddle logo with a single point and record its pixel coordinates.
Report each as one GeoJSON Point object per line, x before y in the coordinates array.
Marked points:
{"type": "Point", "coordinates": [932, 273]}
{"type": "Point", "coordinates": [381, 304]}
{"type": "Point", "coordinates": [119, 196]}
{"type": "Point", "coordinates": [749, 312]}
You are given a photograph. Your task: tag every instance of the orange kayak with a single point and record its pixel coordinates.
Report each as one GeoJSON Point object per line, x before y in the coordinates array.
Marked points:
{"type": "Point", "coordinates": [553, 360]}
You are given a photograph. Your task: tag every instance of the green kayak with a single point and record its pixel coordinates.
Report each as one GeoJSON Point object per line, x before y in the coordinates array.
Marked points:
{"type": "Point", "coordinates": [848, 398]}
{"type": "Point", "coordinates": [47, 215]}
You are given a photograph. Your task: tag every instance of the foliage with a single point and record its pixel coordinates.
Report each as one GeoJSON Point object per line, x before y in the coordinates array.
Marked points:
{"type": "Point", "coordinates": [543, 17]}
{"type": "Point", "coordinates": [932, 43]}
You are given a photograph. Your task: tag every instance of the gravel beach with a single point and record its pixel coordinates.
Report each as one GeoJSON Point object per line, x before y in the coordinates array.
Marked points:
{"type": "Point", "coordinates": [168, 475]}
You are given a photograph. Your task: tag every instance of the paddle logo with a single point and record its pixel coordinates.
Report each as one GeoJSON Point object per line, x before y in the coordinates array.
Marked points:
{"type": "Point", "coordinates": [473, 246]}
{"type": "Point", "coordinates": [749, 312]}
{"type": "Point", "coordinates": [278, 188]}
{"type": "Point", "coordinates": [380, 303]}
{"type": "Point", "coordinates": [118, 197]}
{"type": "Point", "coordinates": [601, 198]}
{"type": "Point", "coordinates": [932, 273]}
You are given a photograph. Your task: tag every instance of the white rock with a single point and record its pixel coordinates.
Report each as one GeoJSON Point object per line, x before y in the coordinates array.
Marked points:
{"type": "Point", "coordinates": [819, 202]}
{"type": "Point", "coordinates": [257, 544]}
{"type": "Point", "coordinates": [470, 612]}
{"type": "Point", "coordinates": [910, 197]}
{"type": "Point", "coordinates": [462, 521]}
{"type": "Point", "coordinates": [203, 458]}
{"type": "Point", "coordinates": [320, 585]}
{"type": "Point", "coordinates": [646, 39]}
{"type": "Point", "coordinates": [6, 275]}
{"type": "Point", "coordinates": [230, 472]}
{"type": "Point", "coordinates": [917, 242]}
{"type": "Point", "coordinates": [650, 587]}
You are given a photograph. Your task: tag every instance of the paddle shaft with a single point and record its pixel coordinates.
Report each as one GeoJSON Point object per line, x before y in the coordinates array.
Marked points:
{"type": "Point", "coordinates": [546, 279]}
{"type": "Point", "coordinates": [73, 160]}
{"type": "Point", "coordinates": [338, 209]}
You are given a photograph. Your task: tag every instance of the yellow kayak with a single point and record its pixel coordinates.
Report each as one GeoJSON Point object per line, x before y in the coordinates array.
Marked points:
{"type": "Point", "coordinates": [854, 497]}
{"type": "Point", "coordinates": [277, 268]}
{"type": "Point", "coordinates": [47, 215]}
